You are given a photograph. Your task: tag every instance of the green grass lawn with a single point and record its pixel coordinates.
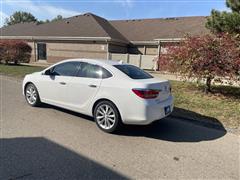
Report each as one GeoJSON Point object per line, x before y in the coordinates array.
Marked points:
{"type": "Point", "coordinates": [18, 70]}
{"type": "Point", "coordinates": [222, 106]}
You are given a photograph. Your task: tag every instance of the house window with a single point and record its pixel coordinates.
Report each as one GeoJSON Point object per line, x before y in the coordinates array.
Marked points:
{"type": "Point", "coordinates": [42, 51]}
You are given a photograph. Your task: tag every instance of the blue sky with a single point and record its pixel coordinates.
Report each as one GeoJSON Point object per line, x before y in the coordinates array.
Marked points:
{"type": "Point", "coordinates": [111, 9]}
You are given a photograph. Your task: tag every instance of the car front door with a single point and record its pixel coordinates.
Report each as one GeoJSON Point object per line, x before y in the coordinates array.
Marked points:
{"type": "Point", "coordinates": [54, 84]}
{"type": "Point", "coordinates": [83, 88]}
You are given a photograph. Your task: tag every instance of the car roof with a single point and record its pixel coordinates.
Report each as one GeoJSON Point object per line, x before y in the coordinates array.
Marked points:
{"type": "Point", "coordinates": [108, 64]}
{"type": "Point", "coordinates": [96, 61]}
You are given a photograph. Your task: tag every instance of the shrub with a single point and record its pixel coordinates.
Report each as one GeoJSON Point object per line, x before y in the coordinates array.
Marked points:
{"type": "Point", "coordinates": [14, 51]}
{"type": "Point", "coordinates": [204, 57]}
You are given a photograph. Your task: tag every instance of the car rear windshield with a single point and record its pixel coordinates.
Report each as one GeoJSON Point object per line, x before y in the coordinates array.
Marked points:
{"type": "Point", "coordinates": [133, 71]}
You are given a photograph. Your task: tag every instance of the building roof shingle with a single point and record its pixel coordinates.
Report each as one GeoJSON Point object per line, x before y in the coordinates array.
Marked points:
{"type": "Point", "coordinates": [86, 25]}
{"type": "Point", "coordinates": [90, 25]}
{"type": "Point", "coordinates": [161, 28]}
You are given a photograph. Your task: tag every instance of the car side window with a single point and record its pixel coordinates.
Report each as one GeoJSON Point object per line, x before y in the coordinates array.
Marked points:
{"type": "Point", "coordinates": [93, 71]}
{"type": "Point", "coordinates": [66, 69]}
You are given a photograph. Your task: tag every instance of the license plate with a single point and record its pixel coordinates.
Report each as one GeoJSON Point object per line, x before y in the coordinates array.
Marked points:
{"type": "Point", "coordinates": [167, 110]}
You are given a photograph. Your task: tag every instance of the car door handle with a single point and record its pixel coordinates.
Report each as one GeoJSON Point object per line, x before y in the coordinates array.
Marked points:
{"type": "Point", "coordinates": [62, 83]}
{"type": "Point", "coordinates": [92, 85]}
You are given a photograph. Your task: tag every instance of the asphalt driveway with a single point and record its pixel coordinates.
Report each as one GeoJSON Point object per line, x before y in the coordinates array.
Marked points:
{"type": "Point", "coordinates": [52, 143]}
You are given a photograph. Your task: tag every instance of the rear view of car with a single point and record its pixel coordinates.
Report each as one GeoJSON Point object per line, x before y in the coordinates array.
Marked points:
{"type": "Point", "coordinates": [150, 98]}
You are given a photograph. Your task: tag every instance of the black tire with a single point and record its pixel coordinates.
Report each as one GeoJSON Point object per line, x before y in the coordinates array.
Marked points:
{"type": "Point", "coordinates": [37, 102]}
{"type": "Point", "coordinates": [117, 123]}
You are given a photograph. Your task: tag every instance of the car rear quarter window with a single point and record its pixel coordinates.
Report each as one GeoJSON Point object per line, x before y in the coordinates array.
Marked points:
{"type": "Point", "coordinates": [133, 71]}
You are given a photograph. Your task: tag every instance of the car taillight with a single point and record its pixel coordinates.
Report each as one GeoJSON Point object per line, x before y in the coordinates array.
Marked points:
{"type": "Point", "coordinates": [146, 93]}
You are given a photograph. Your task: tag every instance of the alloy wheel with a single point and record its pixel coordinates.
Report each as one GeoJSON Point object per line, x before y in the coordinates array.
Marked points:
{"type": "Point", "coordinates": [31, 94]}
{"type": "Point", "coordinates": [105, 116]}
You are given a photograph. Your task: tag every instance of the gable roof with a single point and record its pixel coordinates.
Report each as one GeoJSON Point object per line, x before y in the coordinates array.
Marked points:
{"type": "Point", "coordinates": [161, 28]}
{"type": "Point", "coordinates": [86, 25]}
{"type": "Point", "coordinates": [94, 27]}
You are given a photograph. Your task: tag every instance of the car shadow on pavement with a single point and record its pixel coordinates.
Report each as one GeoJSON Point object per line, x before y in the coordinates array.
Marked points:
{"type": "Point", "coordinates": [168, 129]}
{"type": "Point", "coordinates": [177, 129]}
{"type": "Point", "coordinates": [40, 158]}
{"type": "Point", "coordinates": [197, 118]}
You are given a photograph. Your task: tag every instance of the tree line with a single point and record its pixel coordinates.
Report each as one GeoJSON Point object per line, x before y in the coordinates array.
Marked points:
{"type": "Point", "coordinates": [20, 17]}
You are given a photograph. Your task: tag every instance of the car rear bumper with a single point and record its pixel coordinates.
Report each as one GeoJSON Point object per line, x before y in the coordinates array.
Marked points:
{"type": "Point", "coordinates": [149, 112]}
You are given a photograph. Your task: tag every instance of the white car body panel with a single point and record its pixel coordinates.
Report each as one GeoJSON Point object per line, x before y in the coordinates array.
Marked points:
{"type": "Point", "coordinates": [77, 95]}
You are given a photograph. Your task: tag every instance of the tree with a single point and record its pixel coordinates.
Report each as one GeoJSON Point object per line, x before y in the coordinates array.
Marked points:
{"type": "Point", "coordinates": [234, 5]}
{"type": "Point", "coordinates": [224, 21]}
{"type": "Point", "coordinates": [19, 17]}
{"type": "Point", "coordinates": [206, 57]}
{"type": "Point", "coordinates": [59, 17]}
{"type": "Point", "coordinates": [14, 51]}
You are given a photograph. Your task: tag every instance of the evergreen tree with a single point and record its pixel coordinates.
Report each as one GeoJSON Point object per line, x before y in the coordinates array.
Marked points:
{"type": "Point", "coordinates": [19, 17]}
{"type": "Point", "coordinates": [228, 22]}
{"type": "Point", "coordinates": [234, 5]}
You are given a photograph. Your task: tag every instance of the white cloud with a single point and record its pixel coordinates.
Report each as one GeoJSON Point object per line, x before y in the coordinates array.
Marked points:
{"type": "Point", "coordinates": [225, 9]}
{"type": "Point", "coordinates": [125, 3]}
{"type": "Point", "coordinates": [41, 10]}
{"type": "Point", "coordinates": [54, 11]}
{"type": "Point", "coordinates": [3, 16]}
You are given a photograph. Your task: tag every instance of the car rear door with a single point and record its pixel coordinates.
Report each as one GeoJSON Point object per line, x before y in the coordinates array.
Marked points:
{"type": "Point", "coordinates": [82, 89]}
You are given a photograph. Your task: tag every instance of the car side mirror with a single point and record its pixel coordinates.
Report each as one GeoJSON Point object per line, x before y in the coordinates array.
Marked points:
{"type": "Point", "coordinates": [48, 72]}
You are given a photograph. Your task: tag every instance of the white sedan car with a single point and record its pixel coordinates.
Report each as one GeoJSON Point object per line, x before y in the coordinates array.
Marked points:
{"type": "Point", "coordinates": [114, 93]}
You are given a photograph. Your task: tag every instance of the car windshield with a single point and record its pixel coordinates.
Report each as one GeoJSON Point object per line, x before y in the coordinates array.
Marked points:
{"type": "Point", "coordinates": [133, 71]}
